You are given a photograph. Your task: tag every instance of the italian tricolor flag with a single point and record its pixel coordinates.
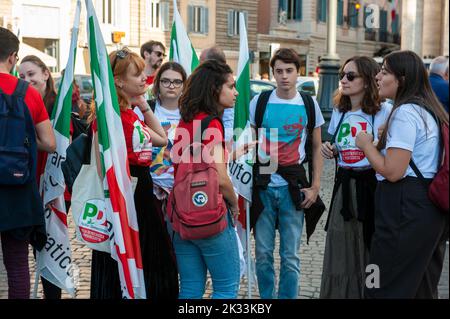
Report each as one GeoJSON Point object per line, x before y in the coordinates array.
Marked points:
{"type": "Point", "coordinates": [181, 49]}
{"type": "Point", "coordinates": [242, 128]}
{"type": "Point", "coordinates": [53, 186]}
{"type": "Point", "coordinates": [120, 209]}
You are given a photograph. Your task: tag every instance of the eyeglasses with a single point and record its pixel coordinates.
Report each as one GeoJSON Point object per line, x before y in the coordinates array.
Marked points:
{"type": "Point", "coordinates": [350, 76]}
{"type": "Point", "coordinates": [167, 83]}
{"type": "Point", "coordinates": [160, 54]}
{"type": "Point", "coordinates": [122, 54]}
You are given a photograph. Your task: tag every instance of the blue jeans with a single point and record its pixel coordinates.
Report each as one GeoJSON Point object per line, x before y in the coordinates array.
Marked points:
{"type": "Point", "coordinates": [218, 254]}
{"type": "Point", "coordinates": [278, 204]}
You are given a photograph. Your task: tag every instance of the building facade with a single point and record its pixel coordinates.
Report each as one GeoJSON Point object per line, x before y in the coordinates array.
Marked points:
{"type": "Point", "coordinates": [43, 24]}
{"type": "Point", "coordinates": [425, 28]}
{"type": "Point", "coordinates": [363, 28]}
{"type": "Point", "coordinates": [300, 24]}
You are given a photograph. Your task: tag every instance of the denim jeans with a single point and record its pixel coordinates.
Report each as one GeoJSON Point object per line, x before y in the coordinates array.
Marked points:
{"type": "Point", "coordinates": [218, 254]}
{"type": "Point", "coordinates": [278, 204]}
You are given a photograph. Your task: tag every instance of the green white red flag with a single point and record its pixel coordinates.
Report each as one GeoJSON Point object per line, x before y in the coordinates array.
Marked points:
{"type": "Point", "coordinates": [241, 169]}
{"type": "Point", "coordinates": [181, 49]}
{"type": "Point", "coordinates": [120, 209]}
{"type": "Point", "coordinates": [54, 261]}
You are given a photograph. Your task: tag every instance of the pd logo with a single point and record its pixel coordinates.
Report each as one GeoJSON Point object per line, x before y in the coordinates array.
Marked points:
{"type": "Point", "coordinates": [350, 127]}
{"type": "Point", "coordinates": [200, 199]}
{"type": "Point", "coordinates": [93, 224]}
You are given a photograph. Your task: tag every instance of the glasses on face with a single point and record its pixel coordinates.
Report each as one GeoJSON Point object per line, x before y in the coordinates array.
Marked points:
{"type": "Point", "coordinates": [167, 83]}
{"type": "Point", "coordinates": [159, 54]}
{"type": "Point", "coordinates": [350, 75]}
{"type": "Point", "coordinates": [121, 54]}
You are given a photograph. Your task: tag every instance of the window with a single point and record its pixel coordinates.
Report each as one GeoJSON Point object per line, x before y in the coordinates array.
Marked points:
{"type": "Point", "coordinates": [394, 24]}
{"type": "Point", "coordinates": [340, 12]}
{"type": "Point", "coordinates": [383, 26]}
{"type": "Point", "coordinates": [157, 15]}
{"type": "Point", "coordinates": [322, 10]}
{"type": "Point", "coordinates": [198, 19]}
{"type": "Point", "coordinates": [352, 15]}
{"type": "Point", "coordinates": [293, 9]}
{"type": "Point", "coordinates": [233, 22]}
{"type": "Point", "coordinates": [106, 11]}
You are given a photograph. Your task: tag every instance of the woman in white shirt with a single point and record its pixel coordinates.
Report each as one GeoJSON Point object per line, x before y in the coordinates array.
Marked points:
{"type": "Point", "coordinates": [350, 221]}
{"type": "Point", "coordinates": [409, 228]}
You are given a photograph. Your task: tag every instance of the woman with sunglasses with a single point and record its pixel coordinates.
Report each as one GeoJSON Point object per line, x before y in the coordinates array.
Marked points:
{"type": "Point", "coordinates": [160, 274]}
{"type": "Point", "coordinates": [410, 232]}
{"type": "Point", "coordinates": [350, 219]}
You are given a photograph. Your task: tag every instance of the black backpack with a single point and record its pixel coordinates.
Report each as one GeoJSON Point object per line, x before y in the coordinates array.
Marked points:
{"type": "Point", "coordinates": [18, 148]}
{"type": "Point", "coordinates": [310, 113]}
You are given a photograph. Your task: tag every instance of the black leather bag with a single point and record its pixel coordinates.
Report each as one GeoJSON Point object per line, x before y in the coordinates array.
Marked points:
{"type": "Point", "coordinates": [77, 154]}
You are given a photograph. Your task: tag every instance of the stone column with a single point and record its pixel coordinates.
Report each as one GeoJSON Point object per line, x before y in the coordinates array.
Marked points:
{"type": "Point", "coordinates": [329, 69]}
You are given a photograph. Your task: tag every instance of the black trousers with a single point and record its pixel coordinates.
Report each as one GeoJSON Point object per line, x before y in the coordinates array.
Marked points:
{"type": "Point", "coordinates": [409, 241]}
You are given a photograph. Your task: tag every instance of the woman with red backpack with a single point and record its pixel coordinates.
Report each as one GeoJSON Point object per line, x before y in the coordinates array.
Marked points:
{"type": "Point", "coordinates": [410, 230]}
{"type": "Point", "coordinates": [204, 246]}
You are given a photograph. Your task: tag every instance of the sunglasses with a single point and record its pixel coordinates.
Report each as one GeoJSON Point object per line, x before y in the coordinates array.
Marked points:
{"type": "Point", "coordinates": [160, 54]}
{"type": "Point", "coordinates": [120, 54]}
{"type": "Point", "coordinates": [350, 75]}
{"type": "Point", "coordinates": [167, 83]}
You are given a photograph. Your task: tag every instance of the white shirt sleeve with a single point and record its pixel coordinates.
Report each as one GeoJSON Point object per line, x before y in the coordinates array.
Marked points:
{"type": "Point", "coordinates": [402, 130]}
{"type": "Point", "coordinates": [252, 109]}
{"type": "Point", "coordinates": [335, 117]}
{"type": "Point", "coordinates": [319, 117]}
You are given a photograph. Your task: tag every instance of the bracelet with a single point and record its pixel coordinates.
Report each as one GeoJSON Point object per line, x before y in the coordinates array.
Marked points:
{"type": "Point", "coordinates": [146, 110]}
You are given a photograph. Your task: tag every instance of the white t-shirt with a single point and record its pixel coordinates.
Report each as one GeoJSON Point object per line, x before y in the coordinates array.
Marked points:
{"type": "Point", "coordinates": [161, 168]}
{"type": "Point", "coordinates": [353, 123]}
{"type": "Point", "coordinates": [407, 131]}
{"type": "Point", "coordinates": [287, 121]}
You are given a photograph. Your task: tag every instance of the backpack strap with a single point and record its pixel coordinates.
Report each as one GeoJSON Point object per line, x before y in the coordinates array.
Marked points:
{"type": "Point", "coordinates": [19, 91]}
{"type": "Point", "coordinates": [205, 124]}
{"type": "Point", "coordinates": [411, 162]}
{"type": "Point", "coordinates": [311, 114]}
{"type": "Point", "coordinates": [261, 105]}
{"type": "Point", "coordinates": [333, 139]}
{"type": "Point", "coordinates": [21, 88]}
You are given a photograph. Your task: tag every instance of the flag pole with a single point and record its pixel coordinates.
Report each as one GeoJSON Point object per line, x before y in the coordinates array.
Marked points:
{"type": "Point", "coordinates": [36, 279]}
{"type": "Point", "coordinates": [247, 226]}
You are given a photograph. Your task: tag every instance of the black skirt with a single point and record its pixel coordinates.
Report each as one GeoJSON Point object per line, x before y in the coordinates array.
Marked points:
{"type": "Point", "coordinates": [160, 268]}
{"type": "Point", "coordinates": [409, 231]}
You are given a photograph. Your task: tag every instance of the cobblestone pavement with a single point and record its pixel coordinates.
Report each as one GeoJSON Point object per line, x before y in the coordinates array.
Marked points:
{"type": "Point", "coordinates": [311, 259]}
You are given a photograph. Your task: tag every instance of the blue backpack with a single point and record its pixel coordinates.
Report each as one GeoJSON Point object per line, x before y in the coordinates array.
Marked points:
{"type": "Point", "coordinates": [18, 148]}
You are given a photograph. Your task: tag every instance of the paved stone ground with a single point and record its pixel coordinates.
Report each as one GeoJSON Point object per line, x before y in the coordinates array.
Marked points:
{"type": "Point", "coordinates": [311, 259]}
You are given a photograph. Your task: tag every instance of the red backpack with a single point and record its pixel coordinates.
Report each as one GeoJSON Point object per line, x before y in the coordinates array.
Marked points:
{"type": "Point", "coordinates": [196, 208]}
{"type": "Point", "coordinates": [438, 188]}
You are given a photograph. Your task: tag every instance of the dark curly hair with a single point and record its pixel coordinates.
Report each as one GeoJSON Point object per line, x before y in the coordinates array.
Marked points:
{"type": "Point", "coordinates": [367, 69]}
{"type": "Point", "coordinates": [202, 90]}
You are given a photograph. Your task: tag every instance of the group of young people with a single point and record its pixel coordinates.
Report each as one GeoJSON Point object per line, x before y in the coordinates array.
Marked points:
{"type": "Point", "coordinates": [379, 214]}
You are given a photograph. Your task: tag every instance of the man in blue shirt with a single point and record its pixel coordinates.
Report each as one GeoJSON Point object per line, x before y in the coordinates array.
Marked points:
{"type": "Point", "coordinates": [439, 79]}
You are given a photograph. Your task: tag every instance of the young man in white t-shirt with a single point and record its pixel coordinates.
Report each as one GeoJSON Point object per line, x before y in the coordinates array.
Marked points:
{"type": "Point", "coordinates": [283, 136]}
